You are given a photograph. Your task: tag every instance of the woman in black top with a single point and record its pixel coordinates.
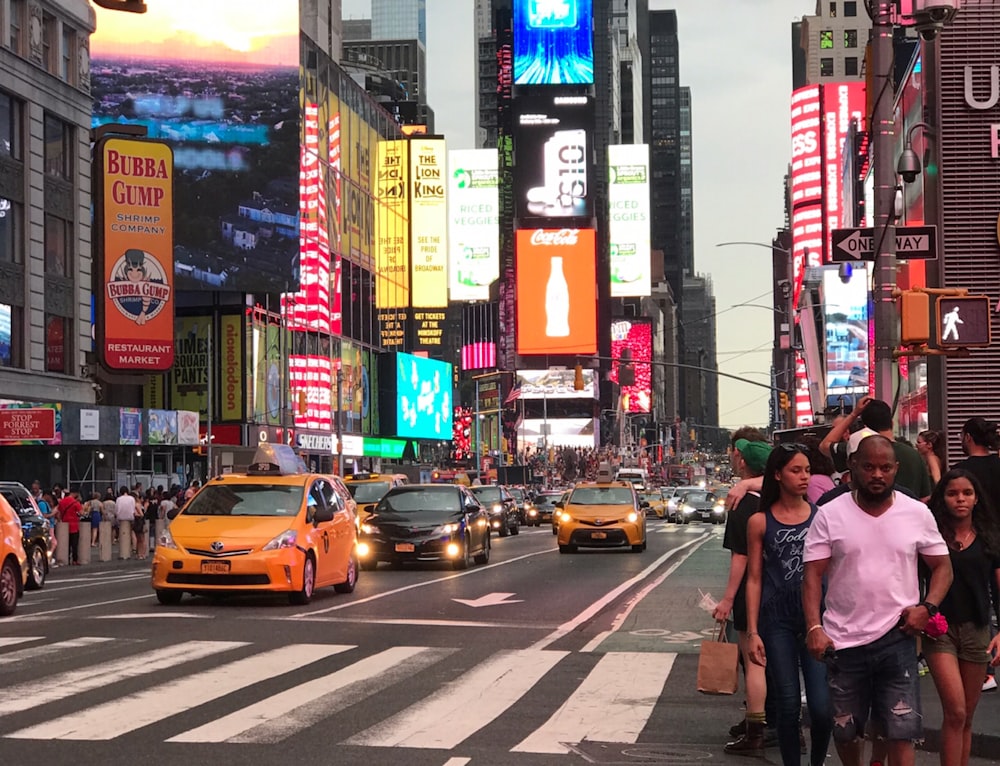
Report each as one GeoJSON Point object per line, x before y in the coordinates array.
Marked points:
{"type": "Point", "coordinates": [958, 659]}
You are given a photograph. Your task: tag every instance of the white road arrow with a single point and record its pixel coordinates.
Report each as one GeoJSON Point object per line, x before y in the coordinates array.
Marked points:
{"type": "Point", "coordinates": [490, 599]}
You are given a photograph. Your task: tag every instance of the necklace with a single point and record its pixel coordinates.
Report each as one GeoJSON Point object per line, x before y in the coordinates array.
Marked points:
{"type": "Point", "coordinates": [960, 544]}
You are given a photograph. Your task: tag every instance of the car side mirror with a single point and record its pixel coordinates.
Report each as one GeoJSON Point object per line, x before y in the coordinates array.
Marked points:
{"type": "Point", "coordinates": [321, 515]}
{"type": "Point", "coordinates": [559, 505]}
{"type": "Point", "coordinates": [644, 504]}
{"type": "Point", "coordinates": [172, 513]}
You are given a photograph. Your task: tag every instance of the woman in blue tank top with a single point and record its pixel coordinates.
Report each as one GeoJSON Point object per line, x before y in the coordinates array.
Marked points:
{"type": "Point", "coordinates": [776, 629]}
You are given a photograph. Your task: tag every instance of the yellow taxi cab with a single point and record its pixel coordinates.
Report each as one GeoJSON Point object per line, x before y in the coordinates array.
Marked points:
{"type": "Point", "coordinates": [13, 561]}
{"type": "Point", "coordinates": [602, 514]}
{"type": "Point", "coordinates": [657, 502]}
{"type": "Point", "coordinates": [368, 488]}
{"type": "Point", "coordinates": [274, 528]}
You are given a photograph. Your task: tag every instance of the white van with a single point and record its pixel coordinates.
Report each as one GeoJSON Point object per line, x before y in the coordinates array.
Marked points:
{"type": "Point", "coordinates": [639, 477]}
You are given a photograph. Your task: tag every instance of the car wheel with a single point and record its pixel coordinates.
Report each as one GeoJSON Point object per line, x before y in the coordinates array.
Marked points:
{"type": "Point", "coordinates": [304, 596]}
{"type": "Point", "coordinates": [8, 587]}
{"type": "Point", "coordinates": [347, 586]}
{"type": "Point", "coordinates": [515, 529]}
{"type": "Point", "coordinates": [567, 548]}
{"type": "Point", "coordinates": [466, 560]}
{"type": "Point", "coordinates": [484, 557]}
{"type": "Point", "coordinates": [555, 530]}
{"type": "Point", "coordinates": [169, 597]}
{"type": "Point", "coordinates": [504, 530]}
{"type": "Point", "coordinates": [38, 568]}
{"type": "Point", "coordinates": [369, 565]}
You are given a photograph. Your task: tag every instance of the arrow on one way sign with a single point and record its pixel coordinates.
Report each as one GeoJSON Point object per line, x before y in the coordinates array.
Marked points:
{"type": "Point", "coordinates": [912, 242]}
{"type": "Point", "coordinates": [490, 599]}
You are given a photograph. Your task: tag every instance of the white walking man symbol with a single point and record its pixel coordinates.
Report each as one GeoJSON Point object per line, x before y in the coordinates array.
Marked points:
{"type": "Point", "coordinates": [950, 323]}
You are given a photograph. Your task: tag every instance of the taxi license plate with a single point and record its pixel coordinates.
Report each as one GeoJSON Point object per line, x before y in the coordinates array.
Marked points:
{"type": "Point", "coordinates": [404, 548]}
{"type": "Point", "coordinates": [215, 567]}
{"type": "Point", "coordinates": [598, 535]}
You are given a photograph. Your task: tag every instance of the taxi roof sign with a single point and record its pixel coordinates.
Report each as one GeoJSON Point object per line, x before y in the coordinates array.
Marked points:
{"type": "Point", "coordinates": [275, 460]}
{"type": "Point", "coordinates": [361, 477]}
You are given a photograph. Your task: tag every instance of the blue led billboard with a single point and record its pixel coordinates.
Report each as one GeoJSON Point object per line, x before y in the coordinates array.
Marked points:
{"type": "Point", "coordinates": [553, 42]}
{"type": "Point", "coordinates": [422, 397]}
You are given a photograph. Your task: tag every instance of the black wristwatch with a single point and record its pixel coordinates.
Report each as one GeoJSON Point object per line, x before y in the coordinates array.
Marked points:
{"type": "Point", "coordinates": [931, 608]}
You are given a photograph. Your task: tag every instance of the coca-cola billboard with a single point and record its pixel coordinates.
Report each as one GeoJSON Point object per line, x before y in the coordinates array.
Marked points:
{"type": "Point", "coordinates": [556, 291]}
{"type": "Point", "coordinates": [552, 148]}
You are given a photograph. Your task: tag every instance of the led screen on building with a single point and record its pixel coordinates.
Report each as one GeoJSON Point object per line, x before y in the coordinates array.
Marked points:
{"type": "Point", "coordinates": [845, 317]}
{"type": "Point", "coordinates": [310, 379]}
{"type": "Point", "coordinates": [392, 249]}
{"type": "Point", "coordinates": [428, 223]}
{"type": "Point", "coordinates": [416, 396]}
{"type": "Point", "coordinates": [473, 223]}
{"type": "Point", "coordinates": [556, 291]}
{"type": "Point", "coordinates": [552, 170]}
{"type": "Point", "coordinates": [628, 203]}
{"type": "Point", "coordinates": [841, 103]}
{"type": "Point", "coordinates": [553, 42]}
{"type": "Point", "coordinates": [638, 337]}
{"type": "Point", "coordinates": [807, 173]}
{"type": "Point", "coordinates": [222, 89]}
{"type": "Point", "coordinates": [555, 384]}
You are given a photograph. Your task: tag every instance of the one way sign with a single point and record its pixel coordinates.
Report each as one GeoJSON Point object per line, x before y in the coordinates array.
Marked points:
{"type": "Point", "coordinates": [912, 242]}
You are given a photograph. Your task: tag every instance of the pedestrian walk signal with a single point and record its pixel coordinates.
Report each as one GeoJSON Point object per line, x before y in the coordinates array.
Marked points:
{"type": "Point", "coordinates": [963, 321]}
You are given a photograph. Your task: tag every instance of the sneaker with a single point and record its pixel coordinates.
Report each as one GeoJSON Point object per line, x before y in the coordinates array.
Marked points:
{"type": "Point", "coordinates": [922, 668]}
{"type": "Point", "coordinates": [738, 730]}
{"type": "Point", "coordinates": [990, 684]}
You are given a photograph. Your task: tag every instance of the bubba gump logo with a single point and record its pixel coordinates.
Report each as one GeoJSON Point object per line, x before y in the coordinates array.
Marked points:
{"type": "Point", "coordinates": [139, 287]}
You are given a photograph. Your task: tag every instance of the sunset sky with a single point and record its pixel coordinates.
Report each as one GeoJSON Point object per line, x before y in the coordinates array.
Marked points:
{"type": "Point", "coordinates": [250, 32]}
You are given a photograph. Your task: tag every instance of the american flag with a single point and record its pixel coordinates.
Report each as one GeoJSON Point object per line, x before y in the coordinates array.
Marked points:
{"type": "Point", "coordinates": [514, 395]}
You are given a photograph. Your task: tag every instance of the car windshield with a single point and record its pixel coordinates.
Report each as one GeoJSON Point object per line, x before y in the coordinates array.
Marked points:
{"type": "Point", "coordinates": [652, 496]}
{"type": "Point", "coordinates": [246, 500]}
{"type": "Point", "coordinates": [369, 491]}
{"type": "Point", "coordinates": [487, 494]}
{"type": "Point", "coordinates": [517, 494]}
{"type": "Point", "coordinates": [422, 499]}
{"type": "Point", "coordinates": [601, 496]}
{"type": "Point", "coordinates": [547, 499]}
{"type": "Point", "coordinates": [696, 497]}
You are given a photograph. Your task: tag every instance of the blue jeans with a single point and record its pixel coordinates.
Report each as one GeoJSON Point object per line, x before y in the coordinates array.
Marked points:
{"type": "Point", "coordinates": [785, 644]}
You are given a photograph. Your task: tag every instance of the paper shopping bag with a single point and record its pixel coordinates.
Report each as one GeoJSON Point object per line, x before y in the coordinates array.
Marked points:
{"type": "Point", "coordinates": [718, 665]}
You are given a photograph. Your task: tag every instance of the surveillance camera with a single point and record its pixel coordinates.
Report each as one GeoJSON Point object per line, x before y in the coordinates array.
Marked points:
{"type": "Point", "coordinates": [930, 16]}
{"type": "Point", "coordinates": [908, 165]}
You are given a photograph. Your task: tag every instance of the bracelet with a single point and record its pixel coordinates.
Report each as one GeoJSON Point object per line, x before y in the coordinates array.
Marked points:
{"type": "Point", "coordinates": [817, 626]}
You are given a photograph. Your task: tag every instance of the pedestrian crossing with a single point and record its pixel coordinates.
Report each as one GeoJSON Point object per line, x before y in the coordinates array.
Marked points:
{"type": "Point", "coordinates": [241, 692]}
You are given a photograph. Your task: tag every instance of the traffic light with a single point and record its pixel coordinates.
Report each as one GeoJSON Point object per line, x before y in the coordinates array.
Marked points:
{"type": "Point", "coordinates": [963, 321]}
{"type": "Point", "coordinates": [626, 370]}
{"type": "Point", "coordinates": [578, 384]}
{"type": "Point", "coordinates": [783, 401]}
{"type": "Point", "coordinates": [914, 318]}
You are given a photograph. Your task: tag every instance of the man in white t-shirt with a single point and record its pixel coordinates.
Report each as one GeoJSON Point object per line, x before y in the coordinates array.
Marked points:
{"type": "Point", "coordinates": [867, 545]}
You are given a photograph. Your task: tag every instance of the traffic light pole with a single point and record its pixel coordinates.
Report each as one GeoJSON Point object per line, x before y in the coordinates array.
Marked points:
{"type": "Point", "coordinates": [677, 365]}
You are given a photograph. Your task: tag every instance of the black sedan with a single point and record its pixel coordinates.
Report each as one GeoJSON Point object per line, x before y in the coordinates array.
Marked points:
{"type": "Point", "coordinates": [426, 522]}
{"type": "Point", "coordinates": [501, 507]}
{"type": "Point", "coordinates": [36, 533]}
{"type": "Point", "coordinates": [545, 505]}
{"type": "Point", "coordinates": [701, 505]}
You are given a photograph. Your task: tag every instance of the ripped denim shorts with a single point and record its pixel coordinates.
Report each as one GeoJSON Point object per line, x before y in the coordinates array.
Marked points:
{"type": "Point", "coordinates": [879, 678]}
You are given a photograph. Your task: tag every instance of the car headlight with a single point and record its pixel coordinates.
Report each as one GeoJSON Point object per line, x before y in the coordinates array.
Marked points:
{"type": "Point", "coordinates": [532, 512]}
{"type": "Point", "coordinates": [286, 539]}
{"type": "Point", "coordinates": [672, 505]}
{"type": "Point", "coordinates": [447, 529]}
{"type": "Point", "coordinates": [369, 529]}
{"type": "Point", "coordinates": [563, 516]}
{"type": "Point", "coordinates": [632, 517]}
{"type": "Point", "coordinates": [166, 540]}
{"type": "Point", "coordinates": [687, 508]}
{"type": "Point", "coordinates": [719, 509]}
{"type": "Point", "coordinates": [497, 508]}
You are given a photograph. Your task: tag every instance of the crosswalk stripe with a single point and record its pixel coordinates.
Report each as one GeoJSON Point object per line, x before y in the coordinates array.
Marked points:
{"type": "Point", "coordinates": [113, 719]}
{"type": "Point", "coordinates": [47, 650]}
{"type": "Point", "coordinates": [462, 707]}
{"type": "Point", "coordinates": [13, 640]}
{"type": "Point", "coordinates": [72, 682]}
{"type": "Point", "coordinates": [282, 715]}
{"type": "Point", "coordinates": [611, 705]}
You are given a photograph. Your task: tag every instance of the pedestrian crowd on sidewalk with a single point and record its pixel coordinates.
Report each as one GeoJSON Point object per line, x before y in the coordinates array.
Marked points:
{"type": "Point", "coordinates": [857, 563]}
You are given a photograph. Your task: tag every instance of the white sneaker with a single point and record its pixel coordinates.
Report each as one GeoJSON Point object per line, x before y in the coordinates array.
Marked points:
{"type": "Point", "coordinates": [989, 684]}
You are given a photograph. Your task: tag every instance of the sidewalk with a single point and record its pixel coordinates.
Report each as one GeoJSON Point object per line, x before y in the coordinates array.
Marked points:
{"type": "Point", "coordinates": [669, 619]}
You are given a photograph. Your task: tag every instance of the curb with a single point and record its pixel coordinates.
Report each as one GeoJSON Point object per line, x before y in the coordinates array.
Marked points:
{"type": "Point", "coordinates": [983, 745]}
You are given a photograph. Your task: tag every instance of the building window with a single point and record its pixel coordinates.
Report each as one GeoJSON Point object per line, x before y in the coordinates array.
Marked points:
{"type": "Point", "coordinates": [58, 152]}
{"type": "Point", "coordinates": [850, 8]}
{"type": "Point", "coordinates": [850, 38]}
{"type": "Point", "coordinates": [851, 66]}
{"type": "Point", "coordinates": [10, 126]}
{"type": "Point", "coordinates": [826, 39]}
{"type": "Point", "coordinates": [68, 52]}
{"type": "Point", "coordinates": [833, 10]}
{"type": "Point", "coordinates": [11, 231]}
{"type": "Point", "coordinates": [18, 9]}
{"type": "Point", "coordinates": [57, 247]}
{"type": "Point", "coordinates": [57, 343]}
{"type": "Point", "coordinates": [50, 43]}
{"type": "Point", "coordinates": [11, 336]}
{"type": "Point", "coordinates": [826, 67]}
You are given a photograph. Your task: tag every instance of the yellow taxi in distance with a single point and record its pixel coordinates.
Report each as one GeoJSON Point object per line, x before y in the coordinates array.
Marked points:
{"type": "Point", "coordinates": [602, 515]}
{"type": "Point", "coordinates": [657, 502]}
{"type": "Point", "coordinates": [13, 561]}
{"type": "Point", "coordinates": [274, 528]}
{"type": "Point", "coordinates": [368, 488]}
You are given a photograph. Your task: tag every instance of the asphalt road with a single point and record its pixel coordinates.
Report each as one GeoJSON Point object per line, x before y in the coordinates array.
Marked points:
{"type": "Point", "coordinates": [537, 658]}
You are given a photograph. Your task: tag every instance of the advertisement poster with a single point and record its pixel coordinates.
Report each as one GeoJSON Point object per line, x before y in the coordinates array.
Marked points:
{"type": "Point", "coordinates": [553, 42]}
{"type": "Point", "coordinates": [310, 378]}
{"type": "Point", "coordinates": [423, 398]}
{"type": "Point", "coordinates": [90, 425]}
{"type": "Point", "coordinates": [130, 426]}
{"type": "Point", "coordinates": [552, 167]}
{"type": "Point", "coordinates": [392, 254]}
{"type": "Point", "coordinates": [352, 378]}
{"type": "Point", "coordinates": [222, 89]}
{"type": "Point", "coordinates": [637, 336]}
{"type": "Point", "coordinates": [473, 223]}
{"type": "Point", "coordinates": [30, 424]}
{"type": "Point", "coordinates": [189, 376]}
{"type": "Point", "coordinates": [845, 317]}
{"type": "Point", "coordinates": [135, 212]}
{"type": "Point", "coordinates": [555, 384]}
{"type": "Point", "coordinates": [628, 201]}
{"type": "Point", "coordinates": [428, 223]}
{"type": "Point", "coordinates": [267, 373]}
{"type": "Point", "coordinates": [187, 427]}
{"type": "Point", "coordinates": [231, 357]}
{"type": "Point", "coordinates": [842, 103]}
{"type": "Point", "coordinates": [163, 426]}
{"type": "Point", "coordinates": [556, 291]}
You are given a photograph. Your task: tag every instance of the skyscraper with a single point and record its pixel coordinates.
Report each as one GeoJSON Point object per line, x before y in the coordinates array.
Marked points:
{"type": "Point", "coordinates": [399, 20]}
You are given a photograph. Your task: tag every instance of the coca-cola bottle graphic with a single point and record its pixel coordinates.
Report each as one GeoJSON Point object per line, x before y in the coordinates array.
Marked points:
{"type": "Point", "coordinates": [556, 301]}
